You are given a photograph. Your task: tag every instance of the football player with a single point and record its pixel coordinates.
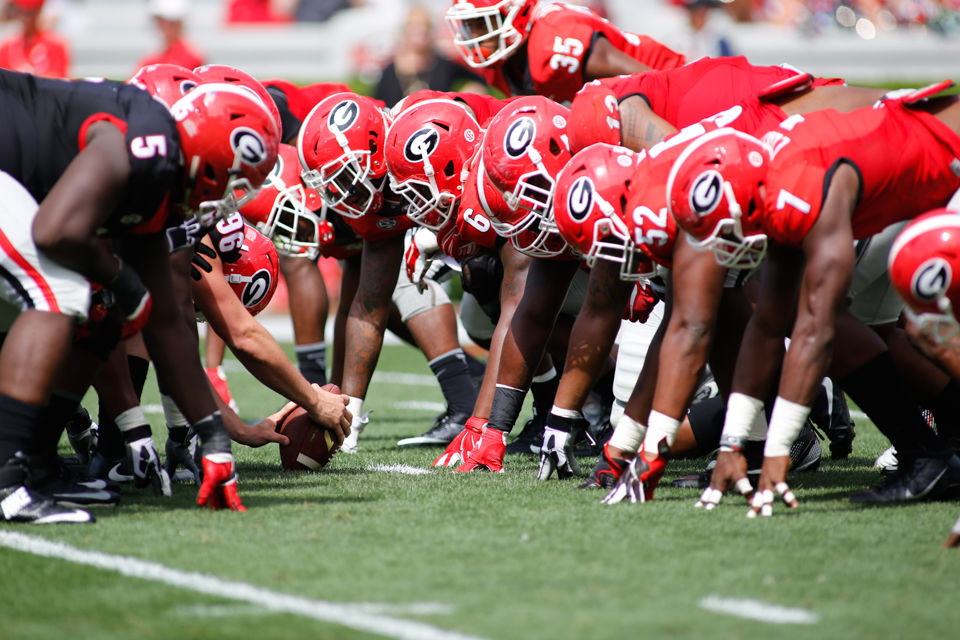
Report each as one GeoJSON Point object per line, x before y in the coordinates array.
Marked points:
{"type": "Point", "coordinates": [527, 47]}
{"type": "Point", "coordinates": [116, 162]}
{"type": "Point", "coordinates": [810, 218]}
{"type": "Point", "coordinates": [342, 145]}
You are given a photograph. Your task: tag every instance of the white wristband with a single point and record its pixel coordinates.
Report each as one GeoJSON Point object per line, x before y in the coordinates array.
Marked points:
{"type": "Point", "coordinates": [628, 435]}
{"type": "Point", "coordinates": [573, 414]}
{"type": "Point", "coordinates": [660, 426]}
{"type": "Point", "coordinates": [742, 412]}
{"type": "Point", "coordinates": [785, 423]}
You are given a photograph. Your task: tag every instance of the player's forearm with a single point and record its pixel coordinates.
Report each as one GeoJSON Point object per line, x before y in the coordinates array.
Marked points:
{"type": "Point", "coordinates": [682, 356]}
{"type": "Point", "coordinates": [363, 344]}
{"type": "Point", "coordinates": [260, 354]}
{"type": "Point", "coordinates": [590, 343]}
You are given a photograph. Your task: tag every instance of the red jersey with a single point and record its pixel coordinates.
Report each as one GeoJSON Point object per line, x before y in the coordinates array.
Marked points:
{"type": "Point", "coordinates": [46, 54]}
{"type": "Point", "coordinates": [471, 231]}
{"type": "Point", "coordinates": [180, 53]}
{"type": "Point", "coordinates": [690, 93]}
{"type": "Point", "coordinates": [907, 159]}
{"type": "Point", "coordinates": [558, 46]}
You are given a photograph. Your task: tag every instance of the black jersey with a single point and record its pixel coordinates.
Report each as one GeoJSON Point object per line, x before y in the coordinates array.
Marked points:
{"type": "Point", "coordinates": [44, 127]}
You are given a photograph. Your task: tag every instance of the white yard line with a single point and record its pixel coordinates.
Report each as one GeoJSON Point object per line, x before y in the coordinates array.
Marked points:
{"type": "Point", "coordinates": [756, 610]}
{"type": "Point", "coordinates": [354, 616]}
{"type": "Point", "coordinates": [400, 468]}
{"type": "Point", "coordinates": [420, 405]}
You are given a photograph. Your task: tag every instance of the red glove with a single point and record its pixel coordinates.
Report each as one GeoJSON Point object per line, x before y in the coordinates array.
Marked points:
{"type": "Point", "coordinates": [465, 442]}
{"type": "Point", "coordinates": [219, 488]}
{"type": "Point", "coordinates": [642, 301]}
{"type": "Point", "coordinates": [488, 453]}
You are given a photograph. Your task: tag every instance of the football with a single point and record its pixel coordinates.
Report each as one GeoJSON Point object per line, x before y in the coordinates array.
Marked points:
{"type": "Point", "coordinates": [311, 446]}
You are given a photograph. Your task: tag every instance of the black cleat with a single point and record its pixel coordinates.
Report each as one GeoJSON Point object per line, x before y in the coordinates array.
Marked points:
{"type": "Point", "coordinates": [831, 415]}
{"type": "Point", "coordinates": [924, 477]}
{"type": "Point", "coordinates": [18, 503]}
{"type": "Point", "coordinates": [444, 430]}
{"type": "Point", "coordinates": [529, 439]}
{"type": "Point", "coordinates": [82, 433]}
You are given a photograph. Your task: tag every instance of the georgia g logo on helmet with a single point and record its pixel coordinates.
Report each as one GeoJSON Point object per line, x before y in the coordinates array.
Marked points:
{"type": "Point", "coordinates": [248, 145]}
{"type": "Point", "coordinates": [580, 199]}
{"type": "Point", "coordinates": [706, 193]}
{"type": "Point", "coordinates": [343, 116]}
{"type": "Point", "coordinates": [931, 279]}
{"type": "Point", "coordinates": [421, 144]}
{"type": "Point", "coordinates": [519, 136]}
{"type": "Point", "coordinates": [256, 290]}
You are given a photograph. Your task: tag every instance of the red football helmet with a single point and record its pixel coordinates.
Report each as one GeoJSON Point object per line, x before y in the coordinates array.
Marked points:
{"type": "Point", "coordinates": [254, 276]}
{"type": "Point", "coordinates": [166, 82]}
{"type": "Point", "coordinates": [713, 193]}
{"type": "Point", "coordinates": [594, 117]}
{"type": "Point", "coordinates": [341, 146]}
{"type": "Point", "coordinates": [229, 145]}
{"type": "Point", "coordinates": [428, 147]}
{"type": "Point", "coordinates": [293, 216]}
{"type": "Point", "coordinates": [487, 31]}
{"type": "Point", "coordinates": [232, 75]}
{"type": "Point", "coordinates": [524, 148]}
{"type": "Point", "coordinates": [588, 207]}
{"type": "Point", "coordinates": [922, 263]}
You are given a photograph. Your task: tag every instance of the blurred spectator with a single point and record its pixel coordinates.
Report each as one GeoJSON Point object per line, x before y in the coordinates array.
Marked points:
{"type": "Point", "coordinates": [34, 49]}
{"type": "Point", "coordinates": [168, 17]}
{"type": "Point", "coordinates": [707, 35]}
{"type": "Point", "coordinates": [416, 64]}
{"type": "Point", "coordinates": [240, 11]}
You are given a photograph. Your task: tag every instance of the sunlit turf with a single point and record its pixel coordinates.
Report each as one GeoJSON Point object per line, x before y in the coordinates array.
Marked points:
{"type": "Point", "coordinates": [513, 557]}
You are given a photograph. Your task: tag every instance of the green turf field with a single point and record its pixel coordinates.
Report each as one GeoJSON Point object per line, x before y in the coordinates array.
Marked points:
{"type": "Point", "coordinates": [439, 555]}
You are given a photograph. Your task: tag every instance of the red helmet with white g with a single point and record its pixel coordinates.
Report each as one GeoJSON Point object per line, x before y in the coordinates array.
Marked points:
{"type": "Point", "coordinates": [293, 216]}
{"type": "Point", "coordinates": [924, 265]}
{"type": "Point", "coordinates": [588, 207]}
{"type": "Point", "coordinates": [713, 192]}
{"type": "Point", "coordinates": [166, 82]}
{"type": "Point", "coordinates": [428, 147]}
{"type": "Point", "coordinates": [487, 31]}
{"type": "Point", "coordinates": [341, 147]}
{"type": "Point", "coordinates": [232, 75]}
{"type": "Point", "coordinates": [253, 277]}
{"type": "Point", "coordinates": [229, 145]}
{"type": "Point", "coordinates": [524, 148]}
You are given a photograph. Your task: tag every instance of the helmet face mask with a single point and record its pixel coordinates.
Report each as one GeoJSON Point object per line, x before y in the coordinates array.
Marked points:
{"type": "Point", "coordinates": [485, 35]}
{"type": "Point", "coordinates": [294, 230]}
{"type": "Point", "coordinates": [731, 247]}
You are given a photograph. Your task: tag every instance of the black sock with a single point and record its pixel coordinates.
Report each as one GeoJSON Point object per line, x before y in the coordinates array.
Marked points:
{"type": "Point", "coordinates": [312, 361]}
{"type": "Point", "coordinates": [178, 434]}
{"type": "Point", "coordinates": [52, 421]}
{"type": "Point", "coordinates": [946, 411]}
{"type": "Point", "coordinates": [109, 440]}
{"type": "Point", "coordinates": [507, 403]}
{"type": "Point", "coordinates": [138, 372]}
{"type": "Point", "coordinates": [543, 394]}
{"type": "Point", "coordinates": [877, 388]}
{"type": "Point", "coordinates": [18, 421]}
{"type": "Point", "coordinates": [453, 374]}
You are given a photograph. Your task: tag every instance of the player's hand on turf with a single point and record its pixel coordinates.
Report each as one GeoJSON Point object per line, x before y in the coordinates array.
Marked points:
{"type": "Point", "coordinates": [219, 488]}
{"type": "Point", "coordinates": [773, 479]}
{"type": "Point", "coordinates": [640, 478]}
{"type": "Point", "coordinates": [488, 453]}
{"type": "Point", "coordinates": [329, 409]}
{"type": "Point", "coordinates": [147, 470]}
{"type": "Point", "coordinates": [464, 442]}
{"type": "Point", "coordinates": [182, 454]}
{"type": "Point", "coordinates": [556, 454]}
{"type": "Point", "coordinates": [730, 472]}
